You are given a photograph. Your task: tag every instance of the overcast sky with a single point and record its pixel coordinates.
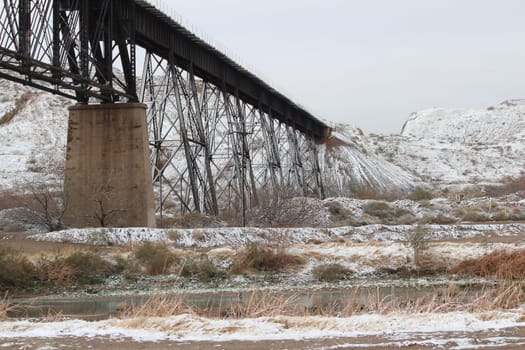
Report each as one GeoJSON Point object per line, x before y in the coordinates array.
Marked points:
{"type": "Point", "coordinates": [371, 63]}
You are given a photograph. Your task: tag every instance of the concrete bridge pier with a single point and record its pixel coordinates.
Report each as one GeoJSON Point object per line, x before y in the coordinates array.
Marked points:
{"type": "Point", "coordinates": [108, 172]}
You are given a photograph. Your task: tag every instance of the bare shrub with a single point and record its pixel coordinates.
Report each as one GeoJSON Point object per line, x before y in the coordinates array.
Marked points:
{"type": "Point", "coordinates": [417, 239]}
{"type": "Point", "coordinates": [198, 236]}
{"type": "Point", "coordinates": [385, 212]}
{"type": "Point", "coordinates": [340, 216]}
{"type": "Point", "coordinates": [499, 264]}
{"type": "Point", "coordinates": [157, 258]}
{"type": "Point", "coordinates": [421, 193]}
{"type": "Point", "coordinates": [509, 185]}
{"type": "Point", "coordinates": [189, 220]}
{"type": "Point", "coordinates": [441, 219]}
{"type": "Point", "coordinates": [331, 272]}
{"type": "Point", "coordinates": [44, 208]}
{"type": "Point", "coordinates": [474, 214]}
{"type": "Point", "coordinates": [16, 271]}
{"type": "Point", "coordinates": [379, 209]}
{"type": "Point", "coordinates": [202, 269]}
{"type": "Point", "coordinates": [501, 215]}
{"type": "Point", "coordinates": [255, 257]}
{"type": "Point", "coordinates": [77, 268]}
{"type": "Point", "coordinates": [406, 219]}
{"type": "Point", "coordinates": [280, 208]}
{"type": "Point", "coordinates": [105, 212]}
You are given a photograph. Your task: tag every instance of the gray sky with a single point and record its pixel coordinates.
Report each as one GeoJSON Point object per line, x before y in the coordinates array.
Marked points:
{"type": "Point", "coordinates": [371, 63]}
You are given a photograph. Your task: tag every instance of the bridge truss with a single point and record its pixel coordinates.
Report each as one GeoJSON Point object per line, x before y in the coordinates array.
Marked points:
{"type": "Point", "coordinates": [219, 136]}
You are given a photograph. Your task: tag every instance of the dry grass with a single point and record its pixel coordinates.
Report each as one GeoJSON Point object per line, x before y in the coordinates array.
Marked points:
{"type": "Point", "coordinates": [510, 185]}
{"type": "Point", "coordinates": [360, 301]}
{"type": "Point", "coordinates": [420, 194]}
{"type": "Point", "coordinates": [499, 264]}
{"type": "Point", "coordinates": [331, 272]}
{"type": "Point", "coordinates": [451, 299]}
{"type": "Point", "coordinates": [259, 258]}
{"type": "Point", "coordinates": [156, 258]}
{"type": "Point", "coordinates": [255, 304]}
{"type": "Point", "coordinates": [157, 306]}
{"type": "Point", "coordinates": [4, 308]}
{"type": "Point", "coordinates": [264, 304]}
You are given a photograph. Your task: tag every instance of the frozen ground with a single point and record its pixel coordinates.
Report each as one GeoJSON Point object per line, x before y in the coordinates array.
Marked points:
{"type": "Point", "coordinates": [238, 237]}
{"type": "Point", "coordinates": [451, 330]}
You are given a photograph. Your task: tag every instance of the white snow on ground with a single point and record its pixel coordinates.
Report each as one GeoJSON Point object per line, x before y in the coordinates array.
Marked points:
{"type": "Point", "coordinates": [364, 250]}
{"type": "Point", "coordinates": [194, 328]}
{"type": "Point", "coordinates": [238, 237]}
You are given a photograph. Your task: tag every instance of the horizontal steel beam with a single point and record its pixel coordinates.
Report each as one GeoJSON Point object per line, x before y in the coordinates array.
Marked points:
{"type": "Point", "coordinates": [158, 33]}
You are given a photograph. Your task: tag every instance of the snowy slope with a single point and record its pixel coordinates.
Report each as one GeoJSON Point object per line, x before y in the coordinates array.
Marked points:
{"type": "Point", "coordinates": [32, 145]}
{"type": "Point", "coordinates": [349, 164]}
{"type": "Point", "coordinates": [460, 146]}
{"type": "Point", "coordinates": [33, 127]}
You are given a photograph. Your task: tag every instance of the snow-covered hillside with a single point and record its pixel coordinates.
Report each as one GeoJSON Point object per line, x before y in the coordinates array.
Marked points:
{"type": "Point", "coordinates": [33, 130]}
{"type": "Point", "coordinates": [349, 164]}
{"type": "Point", "coordinates": [460, 146]}
{"type": "Point", "coordinates": [33, 127]}
{"type": "Point", "coordinates": [439, 146]}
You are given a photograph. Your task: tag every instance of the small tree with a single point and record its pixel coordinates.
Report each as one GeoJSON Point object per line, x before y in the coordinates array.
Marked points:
{"type": "Point", "coordinates": [44, 208]}
{"type": "Point", "coordinates": [104, 212]}
{"type": "Point", "coordinates": [418, 240]}
{"type": "Point", "coordinates": [280, 208]}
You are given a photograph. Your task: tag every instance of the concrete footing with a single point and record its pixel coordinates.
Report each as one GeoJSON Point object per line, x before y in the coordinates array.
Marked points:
{"type": "Point", "coordinates": [108, 172]}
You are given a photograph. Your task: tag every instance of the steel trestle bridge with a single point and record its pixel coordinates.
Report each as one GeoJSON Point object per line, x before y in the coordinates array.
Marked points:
{"type": "Point", "coordinates": [219, 135]}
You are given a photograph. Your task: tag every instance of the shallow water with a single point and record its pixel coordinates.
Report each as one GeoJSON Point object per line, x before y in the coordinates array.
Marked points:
{"type": "Point", "coordinates": [313, 302]}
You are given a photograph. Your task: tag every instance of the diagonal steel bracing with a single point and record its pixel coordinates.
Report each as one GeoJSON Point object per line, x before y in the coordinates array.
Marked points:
{"type": "Point", "coordinates": [211, 151]}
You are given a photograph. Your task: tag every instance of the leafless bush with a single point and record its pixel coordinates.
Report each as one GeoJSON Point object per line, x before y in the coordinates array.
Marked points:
{"type": "Point", "coordinates": [509, 185]}
{"type": "Point", "coordinates": [418, 239]}
{"type": "Point", "coordinates": [105, 210]}
{"type": "Point", "coordinates": [43, 207]}
{"type": "Point", "coordinates": [189, 220]}
{"type": "Point", "coordinates": [421, 193]}
{"type": "Point", "coordinates": [280, 208]}
{"type": "Point", "coordinates": [331, 272]}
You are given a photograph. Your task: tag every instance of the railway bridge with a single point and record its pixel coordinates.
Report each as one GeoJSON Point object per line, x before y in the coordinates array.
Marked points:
{"type": "Point", "coordinates": [163, 119]}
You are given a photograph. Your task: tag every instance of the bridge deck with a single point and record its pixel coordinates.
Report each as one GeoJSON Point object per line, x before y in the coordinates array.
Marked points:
{"type": "Point", "coordinates": [157, 32]}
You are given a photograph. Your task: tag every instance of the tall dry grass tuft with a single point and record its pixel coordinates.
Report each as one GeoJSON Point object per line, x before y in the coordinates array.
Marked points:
{"type": "Point", "coordinates": [504, 297]}
{"type": "Point", "coordinates": [264, 304]}
{"type": "Point", "coordinates": [4, 308]}
{"type": "Point", "coordinates": [499, 264]}
{"type": "Point", "coordinates": [360, 301]}
{"type": "Point", "coordinates": [157, 305]}
{"type": "Point", "coordinates": [256, 257]}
